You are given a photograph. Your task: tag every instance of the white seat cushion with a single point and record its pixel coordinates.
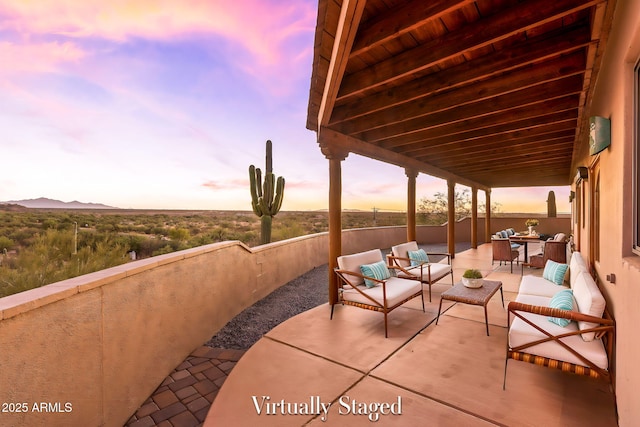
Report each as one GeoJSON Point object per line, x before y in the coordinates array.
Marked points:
{"type": "Point", "coordinates": [534, 285]}
{"type": "Point", "coordinates": [437, 270]}
{"type": "Point", "coordinates": [397, 291]}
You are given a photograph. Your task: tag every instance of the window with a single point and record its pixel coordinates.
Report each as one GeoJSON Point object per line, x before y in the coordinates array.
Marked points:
{"type": "Point", "coordinates": [636, 161]}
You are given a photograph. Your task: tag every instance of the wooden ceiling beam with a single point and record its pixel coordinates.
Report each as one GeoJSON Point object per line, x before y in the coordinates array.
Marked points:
{"type": "Point", "coordinates": [514, 20]}
{"type": "Point", "coordinates": [490, 135]}
{"type": "Point", "coordinates": [485, 90]}
{"type": "Point", "coordinates": [532, 166]}
{"type": "Point", "coordinates": [550, 145]}
{"type": "Point", "coordinates": [529, 52]}
{"type": "Point", "coordinates": [402, 20]}
{"type": "Point", "coordinates": [551, 167]}
{"type": "Point", "coordinates": [530, 96]}
{"type": "Point", "coordinates": [549, 111]}
{"type": "Point", "coordinates": [353, 145]}
{"type": "Point", "coordinates": [460, 149]}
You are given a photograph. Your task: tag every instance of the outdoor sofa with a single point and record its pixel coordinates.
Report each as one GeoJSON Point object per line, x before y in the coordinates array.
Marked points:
{"type": "Point", "coordinates": [561, 325]}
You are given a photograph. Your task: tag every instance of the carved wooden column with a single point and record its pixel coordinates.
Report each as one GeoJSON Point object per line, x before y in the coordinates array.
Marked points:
{"type": "Point", "coordinates": [335, 156]}
{"type": "Point", "coordinates": [451, 222]}
{"type": "Point", "coordinates": [411, 204]}
{"type": "Point", "coordinates": [474, 217]}
{"type": "Point", "coordinates": [487, 218]}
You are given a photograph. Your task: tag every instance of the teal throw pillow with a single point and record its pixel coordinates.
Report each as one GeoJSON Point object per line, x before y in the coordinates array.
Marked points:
{"type": "Point", "coordinates": [554, 272]}
{"type": "Point", "coordinates": [377, 270]}
{"type": "Point", "coordinates": [418, 257]}
{"type": "Point", "coordinates": [564, 301]}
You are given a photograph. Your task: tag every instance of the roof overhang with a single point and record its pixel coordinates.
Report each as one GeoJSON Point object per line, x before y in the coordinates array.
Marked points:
{"type": "Point", "coordinates": [487, 93]}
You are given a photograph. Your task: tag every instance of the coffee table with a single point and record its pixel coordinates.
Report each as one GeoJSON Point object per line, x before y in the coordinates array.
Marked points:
{"type": "Point", "coordinates": [473, 296]}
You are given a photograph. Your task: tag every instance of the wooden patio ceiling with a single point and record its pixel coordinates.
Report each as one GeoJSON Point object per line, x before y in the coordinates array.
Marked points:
{"type": "Point", "coordinates": [490, 93]}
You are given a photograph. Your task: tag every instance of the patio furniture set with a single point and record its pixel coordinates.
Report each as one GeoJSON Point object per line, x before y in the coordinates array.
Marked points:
{"type": "Point", "coordinates": [506, 243]}
{"type": "Point", "coordinates": [553, 322]}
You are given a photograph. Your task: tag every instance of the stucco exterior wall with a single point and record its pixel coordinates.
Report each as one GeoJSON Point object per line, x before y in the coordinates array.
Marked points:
{"type": "Point", "coordinates": [613, 98]}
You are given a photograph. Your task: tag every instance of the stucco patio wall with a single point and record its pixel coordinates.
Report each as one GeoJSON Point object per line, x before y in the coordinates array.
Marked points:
{"type": "Point", "coordinates": [94, 347]}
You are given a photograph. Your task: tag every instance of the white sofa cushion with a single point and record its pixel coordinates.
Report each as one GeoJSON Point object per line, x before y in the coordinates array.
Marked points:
{"type": "Point", "coordinates": [353, 262]}
{"type": "Point", "coordinates": [397, 291]}
{"type": "Point", "coordinates": [576, 266]}
{"type": "Point", "coordinates": [437, 271]}
{"type": "Point", "coordinates": [534, 285]}
{"type": "Point", "coordinates": [590, 301]}
{"type": "Point", "coordinates": [521, 333]}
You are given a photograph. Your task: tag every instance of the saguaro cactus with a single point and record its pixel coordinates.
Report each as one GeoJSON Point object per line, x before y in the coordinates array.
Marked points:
{"type": "Point", "coordinates": [266, 198]}
{"type": "Point", "coordinates": [551, 205]}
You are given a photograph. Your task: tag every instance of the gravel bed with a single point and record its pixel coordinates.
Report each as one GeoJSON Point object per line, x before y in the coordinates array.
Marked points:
{"type": "Point", "coordinates": [300, 294]}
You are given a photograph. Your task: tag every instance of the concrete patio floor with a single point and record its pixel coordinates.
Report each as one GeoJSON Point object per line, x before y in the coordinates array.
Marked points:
{"type": "Point", "coordinates": [450, 374]}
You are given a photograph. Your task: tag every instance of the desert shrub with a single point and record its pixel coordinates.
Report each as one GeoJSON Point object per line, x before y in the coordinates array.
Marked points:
{"type": "Point", "coordinates": [179, 234]}
{"type": "Point", "coordinates": [6, 243]}
{"type": "Point", "coordinates": [287, 231]}
{"type": "Point", "coordinates": [166, 249]}
{"type": "Point", "coordinates": [52, 258]}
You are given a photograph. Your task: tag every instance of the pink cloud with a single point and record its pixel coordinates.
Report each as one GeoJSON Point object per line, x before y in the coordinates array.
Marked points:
{"type": "Point", "coordinates": [37, 57]}
{"type": "Point", "coordinates": [261, 38]}
{"type": "Point", "coordinates": [259, 26]}
{"type": "Point", "coordinates": [230, 184]}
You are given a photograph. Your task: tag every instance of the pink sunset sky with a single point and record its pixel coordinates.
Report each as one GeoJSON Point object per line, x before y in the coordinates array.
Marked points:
{"type": "Point", "coordinates": [165, 104]}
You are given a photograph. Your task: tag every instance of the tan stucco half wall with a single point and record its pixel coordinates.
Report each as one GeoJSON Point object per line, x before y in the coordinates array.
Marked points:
{"type": "Point", "coordinates": [94, 347]}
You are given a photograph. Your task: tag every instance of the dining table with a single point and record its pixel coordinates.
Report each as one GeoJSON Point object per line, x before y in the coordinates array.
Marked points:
{"type": "Point", "coordinates": [525, 239]}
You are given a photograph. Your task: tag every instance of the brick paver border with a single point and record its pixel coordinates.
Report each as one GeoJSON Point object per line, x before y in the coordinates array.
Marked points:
{"type": "Point", "coordinates": [184, 397]}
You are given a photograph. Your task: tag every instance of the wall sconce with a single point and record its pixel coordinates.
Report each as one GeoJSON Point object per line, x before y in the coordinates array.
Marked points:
{"type": "Point", "coordinates": [572, 195]}
{"type": "Point", "coordinates": [583, 172]}
{"type": "Point", "coordinates": [599, 134]}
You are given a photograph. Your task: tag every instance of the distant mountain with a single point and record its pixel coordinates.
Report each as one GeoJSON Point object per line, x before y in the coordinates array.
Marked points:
{"type": "Point", "coordinates": [44, 203]}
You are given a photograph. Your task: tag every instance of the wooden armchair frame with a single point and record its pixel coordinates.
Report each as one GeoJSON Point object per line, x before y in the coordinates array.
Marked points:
{"type": "Point", "coordinates": [605, 330]}
{"type": "Point", "coordinates": [411, 272]}
{"type": "Point", "coordinates": [384, 308]}
{"type": "Point", "coordinates": [554, 250]}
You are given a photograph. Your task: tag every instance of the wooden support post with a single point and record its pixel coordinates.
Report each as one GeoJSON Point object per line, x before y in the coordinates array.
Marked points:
{"type": "Point", "coordinates": [411, 204]}
{"type": "Point", "coordinates": [474, 217]}
{"type": "Point", "coordinates": [335, 212]}
{"type": "Point", "coordinates": [451, 222]}
{"type": "Point", "coordinates": [487, 217]}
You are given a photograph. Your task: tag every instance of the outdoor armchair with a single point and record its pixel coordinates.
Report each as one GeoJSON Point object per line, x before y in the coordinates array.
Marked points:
{"type": "Point", "coordinates": [365, 281]}
{"type": "Point", "coordinates": [502, 251]}
{"type": "Point", "coordinates": [554, 250]}
{"type": "Point", "coordinates": [424, 271]}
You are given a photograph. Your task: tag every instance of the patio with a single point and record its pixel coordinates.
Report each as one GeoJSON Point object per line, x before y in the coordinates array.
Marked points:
{"type": "Point", "coordinates": [449, 374]}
